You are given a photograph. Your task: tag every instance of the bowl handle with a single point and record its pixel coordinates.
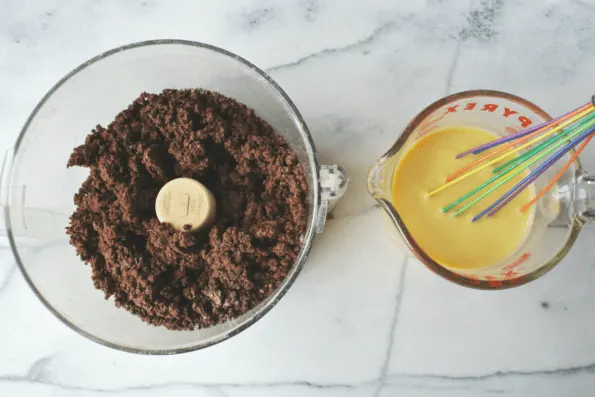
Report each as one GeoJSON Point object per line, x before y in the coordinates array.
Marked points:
{"type": "Point", "coordinates": [333, 185]}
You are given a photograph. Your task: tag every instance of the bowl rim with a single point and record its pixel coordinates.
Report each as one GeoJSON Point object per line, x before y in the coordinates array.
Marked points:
{"type": "Point", "coordinates": [308, 235]}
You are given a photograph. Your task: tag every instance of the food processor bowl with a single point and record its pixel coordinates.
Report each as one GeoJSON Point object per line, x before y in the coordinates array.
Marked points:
{"type": "Point", "coordinates": [39, 189]}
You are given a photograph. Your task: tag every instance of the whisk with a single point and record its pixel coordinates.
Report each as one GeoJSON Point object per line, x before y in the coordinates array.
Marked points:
{"type": "Point", "coordinates": [555, 138]}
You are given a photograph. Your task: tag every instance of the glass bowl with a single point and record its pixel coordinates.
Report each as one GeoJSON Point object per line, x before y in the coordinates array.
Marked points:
{"type": "Point", "coordinates": [41, 189]}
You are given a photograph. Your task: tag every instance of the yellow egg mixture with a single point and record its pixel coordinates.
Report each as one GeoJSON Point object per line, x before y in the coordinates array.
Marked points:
{"type": "Point", "coordinates": [456, 242]}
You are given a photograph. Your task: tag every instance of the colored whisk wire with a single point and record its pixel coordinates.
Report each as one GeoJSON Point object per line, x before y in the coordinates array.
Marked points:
{"type": "Point", "coordinates": [522, 133]}
{"type": "Point", "coordinates": [563, 134]}
{"type": "Point", "coordinates": [512, 175]}
{"type": "Point", "coordinates": [512, 193]}
{"type": "Point", "coordinates": [538, 148]}
{"type": "Point", "coordinates": [458, 175]}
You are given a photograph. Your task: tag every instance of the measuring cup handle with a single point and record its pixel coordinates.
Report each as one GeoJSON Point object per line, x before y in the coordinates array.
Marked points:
{"type": "Point", "coordinates": [585, 197]}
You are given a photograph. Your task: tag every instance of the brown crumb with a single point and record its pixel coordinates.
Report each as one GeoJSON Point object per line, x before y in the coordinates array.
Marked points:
{"type": "Point", "coordinates": [177, 279]}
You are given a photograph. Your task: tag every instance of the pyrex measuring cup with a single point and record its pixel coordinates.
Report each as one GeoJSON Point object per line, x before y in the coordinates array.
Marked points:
{"type": "Point", "coordinates": [558, 217]}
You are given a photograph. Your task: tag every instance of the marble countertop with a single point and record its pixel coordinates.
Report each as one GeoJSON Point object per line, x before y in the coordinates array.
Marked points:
{"type": "Point", "coordinates": [361, 320]}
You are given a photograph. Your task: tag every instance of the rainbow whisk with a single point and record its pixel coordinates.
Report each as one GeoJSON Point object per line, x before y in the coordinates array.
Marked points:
{"type": "Point", "coordinates": [553, 138]}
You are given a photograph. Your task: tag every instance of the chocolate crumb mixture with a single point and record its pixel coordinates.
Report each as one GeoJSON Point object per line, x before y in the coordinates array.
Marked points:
{"type": "Point", "coordinates": [178, 279]}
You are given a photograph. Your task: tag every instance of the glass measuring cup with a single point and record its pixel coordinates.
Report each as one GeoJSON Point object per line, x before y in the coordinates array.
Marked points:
{"type": "Point", "coordinates": [558, 216]}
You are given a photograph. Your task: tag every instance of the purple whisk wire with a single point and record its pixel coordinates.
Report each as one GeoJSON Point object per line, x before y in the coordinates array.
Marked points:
{"type": "Point", "coordinates": [517, 189]}
{"type": "Point", "coordinates": [517, 135]}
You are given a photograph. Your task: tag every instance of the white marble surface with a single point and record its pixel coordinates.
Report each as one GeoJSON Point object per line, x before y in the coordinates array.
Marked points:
{"type": "Point", "coordinates": [360, 321]}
